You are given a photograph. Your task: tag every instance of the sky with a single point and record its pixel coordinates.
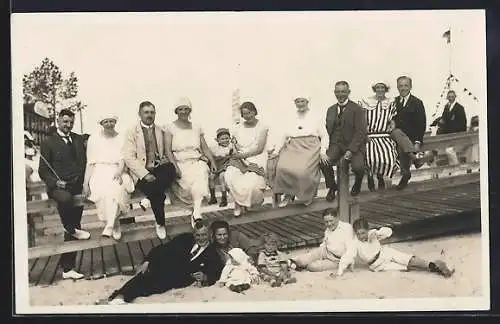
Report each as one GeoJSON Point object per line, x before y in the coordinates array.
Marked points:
{"type": "Point", "coordinates": [122, 59]}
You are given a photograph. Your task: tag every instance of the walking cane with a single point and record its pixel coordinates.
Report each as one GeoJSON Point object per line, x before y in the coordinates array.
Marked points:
{"type": "Point", "coordinates": [78, 200]}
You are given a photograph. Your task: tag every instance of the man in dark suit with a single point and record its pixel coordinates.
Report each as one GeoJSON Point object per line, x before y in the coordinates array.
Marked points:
{"type": "Point", "coordinates": [65, 154]}
{"type": "Point", "coordinates": [453, 120]}
{"type": "Point", "coordinates": [410, 119]}
{"type": "Point", "coordinates": [187, 259]}
{"type": "Point", "coordinates": [347, 125]}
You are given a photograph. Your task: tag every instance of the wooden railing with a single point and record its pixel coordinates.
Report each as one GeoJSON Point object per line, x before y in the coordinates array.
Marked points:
{"type": "Point", "coordinates": [349, 207]}
{"type": "Point", "coordinates": [44, 210]}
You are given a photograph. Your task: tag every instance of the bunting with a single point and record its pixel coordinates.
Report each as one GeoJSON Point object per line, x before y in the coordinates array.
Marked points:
{"type": "Point", "coordinates": [442, 97]}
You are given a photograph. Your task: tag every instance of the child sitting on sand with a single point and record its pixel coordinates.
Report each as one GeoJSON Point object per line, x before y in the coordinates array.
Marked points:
{"type": "Point", "coordinates": [272, 264]}
{"type": "Point", "coordinates": [238, 273]}
{"type": "Point", "coordinates": [384, 258]}
{"type": "Point", "coordinates": [221, 153]}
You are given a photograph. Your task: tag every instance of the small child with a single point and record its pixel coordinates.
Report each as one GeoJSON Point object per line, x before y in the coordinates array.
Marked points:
{"type": "Point", "coordinates": [384, 258]}
{"type": "Point", "coordinates": [221, 153]}
{"type": "Point", "coordinates": [238, 273]}
{"type": "Point", "coordinates": [272, 264]}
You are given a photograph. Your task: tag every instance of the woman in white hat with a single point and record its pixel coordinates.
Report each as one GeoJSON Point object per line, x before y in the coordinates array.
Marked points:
{"type": "Point", "coordinates": [185, 146]}
{"type": "Point", "coordinates": [381, 150]}
{"type": "Point", "coordinates": [304, 145]}
{"type": "Point", "coordinates": [106, 182]}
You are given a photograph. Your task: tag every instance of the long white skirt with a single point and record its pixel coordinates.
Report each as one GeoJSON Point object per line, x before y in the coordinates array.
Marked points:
{"type": "Point", "coordinates": [247, 188]}
{"type": "Point", "coordinates": [193, 185]}
{"type": "Point", "coordinates": [110, 197]}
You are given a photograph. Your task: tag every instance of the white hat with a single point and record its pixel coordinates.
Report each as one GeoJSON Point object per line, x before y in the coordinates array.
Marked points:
{"type": "Point", "coordinates": [105, 116]}
{"type": "Point", "coordinates": [387, 86]}
{"type": "Point", "coordinates": [183, 102]}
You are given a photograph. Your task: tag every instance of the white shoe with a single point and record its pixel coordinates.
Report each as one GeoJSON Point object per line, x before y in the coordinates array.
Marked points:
{"type": "Point", "coordinates": [117, 301]}
{"type": "Point", "coordinates": [117, 232]}
{"type": "Point", "coordinates": [196, 216]}
{"type": "Point", "coordinates": [81, 235]}
{"type": "Point", "coordinates": [237, 210]}
{"type": "Point", "coordinates": [72, 274]}
{"type": "Point", "coordinates": [285, 201]}
{"type": "Point", "coordinates": [161, 232]}
{"type": "Point", "coordinates": [107, 232]}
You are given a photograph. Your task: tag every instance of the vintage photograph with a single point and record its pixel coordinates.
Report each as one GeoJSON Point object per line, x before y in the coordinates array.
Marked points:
{"type": "Point", "coordinates": [226, 162]}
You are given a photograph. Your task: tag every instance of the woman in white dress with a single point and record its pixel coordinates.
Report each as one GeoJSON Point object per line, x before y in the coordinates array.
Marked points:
{"type": "Point", "coordinates": [106, 181]}
{"type": "Point", "coordinates": [245, 174]}
{"type": "Point", "coordinates": [185, 147]}
{"type": "Point", "coordinates": [302, 149]}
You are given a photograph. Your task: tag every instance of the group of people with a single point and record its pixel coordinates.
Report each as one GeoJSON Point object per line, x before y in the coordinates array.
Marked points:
{"type": "Point", "coordinates": [218, 255]}
{"type": "Point", "coordinates": [377, 136]}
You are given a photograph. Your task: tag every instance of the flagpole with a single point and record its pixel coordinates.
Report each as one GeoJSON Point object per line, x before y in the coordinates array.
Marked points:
{"type": "Point", "coordinates": [449, 57]}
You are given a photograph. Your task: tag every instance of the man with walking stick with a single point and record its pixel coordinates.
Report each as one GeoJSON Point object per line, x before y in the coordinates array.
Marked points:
{"type": "Point", "coordinates": [62, 168]}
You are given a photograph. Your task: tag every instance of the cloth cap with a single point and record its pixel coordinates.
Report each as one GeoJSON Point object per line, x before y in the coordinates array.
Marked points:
{"type": "Point", "coordinates": [221, 131]}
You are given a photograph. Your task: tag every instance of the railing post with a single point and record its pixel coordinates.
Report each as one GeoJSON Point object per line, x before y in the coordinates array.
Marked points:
{"type": "Point", "coordinates": [343, 190]}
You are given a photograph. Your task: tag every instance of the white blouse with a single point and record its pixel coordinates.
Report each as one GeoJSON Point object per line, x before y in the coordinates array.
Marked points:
{"type": "Point", "coordinates": [369, 249]}
{"type": "Point", "coordinates": [308, 124]}
{"type": "Point", "coordinates": [105, 150]}
{"type": "Point", "coordinates": [340, 242]}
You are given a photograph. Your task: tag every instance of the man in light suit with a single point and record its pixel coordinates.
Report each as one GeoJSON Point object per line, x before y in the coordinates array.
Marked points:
{"type": "Point", "coordinates": [144, 155]}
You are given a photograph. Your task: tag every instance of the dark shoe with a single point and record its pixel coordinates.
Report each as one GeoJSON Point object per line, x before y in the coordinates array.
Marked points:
{"type": "Point", "coordinates": [419, 162]}
{"type": "Point", "coordinates": [223, 202]}
{"type": "Point", "coordinates": [371, 183]}
{"type": "Point", "coordinates": [212, 201]}
{"type": "Point", "coordinates": [441, 268]}
{"type": "Point", "coordinates": [381, 183]}
{"type": "Point", "coordinates": [403, 183]}
{"type": "Point", "coordinates": [330, 196]}
{"type": "Point", "coordinates": [356, 188]}
{"type": "Point", "coordinates": [290, 280]}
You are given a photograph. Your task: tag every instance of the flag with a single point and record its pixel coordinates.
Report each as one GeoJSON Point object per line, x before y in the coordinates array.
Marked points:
{"type": "Point", "coordinates": [447, 35]}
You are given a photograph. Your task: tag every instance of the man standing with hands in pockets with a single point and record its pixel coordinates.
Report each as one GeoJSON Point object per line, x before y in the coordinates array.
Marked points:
{"type": "Point", "coordinates": [62, 167]}
{"type": "Point", "coordinates": [144, 155]}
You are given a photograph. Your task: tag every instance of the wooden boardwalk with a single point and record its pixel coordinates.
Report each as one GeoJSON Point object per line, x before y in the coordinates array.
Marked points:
{"type": "Point", "coordinates": [412, 216]}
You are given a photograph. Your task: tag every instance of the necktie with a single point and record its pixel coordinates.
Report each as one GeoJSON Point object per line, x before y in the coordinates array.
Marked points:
{"type": "Point", "coordinates": [70, 145]}
{"type": "Point", "coordinates": [68, 140]}
{"type": "Point", "coordinates": [402, 102]}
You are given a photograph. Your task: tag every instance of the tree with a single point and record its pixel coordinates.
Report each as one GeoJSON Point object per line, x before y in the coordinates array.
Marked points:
{"type": "Point", "coordinates": [47, 84]}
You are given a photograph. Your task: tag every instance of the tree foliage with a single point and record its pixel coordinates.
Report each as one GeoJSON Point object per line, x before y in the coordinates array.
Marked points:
{"type": "Point", "coordinates": [47, 84]}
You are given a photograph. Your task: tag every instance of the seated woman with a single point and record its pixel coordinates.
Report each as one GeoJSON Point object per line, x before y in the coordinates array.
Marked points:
{"type": "Point", "coordinates": [106, 182]}
{"type": "Point", "coordinates": [301, 150]}
{"type": "Point", "coordinates": [336, 252]}
{"type": "Point", "coordinates": [185, 146]}
{"type": "Point", "coordinates": [381, 151]}
{"type": "Point", "coordinates": [245, 173]}
{"type": "Point", "coordinates": [384, 258]}
{"type": "Point", "coordinates": [187, 259]}
{"type": "Point", "coordinates": [225, 239]}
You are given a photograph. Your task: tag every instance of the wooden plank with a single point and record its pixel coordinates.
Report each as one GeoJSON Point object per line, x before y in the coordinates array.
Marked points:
{"type": "Point", "coordinates": [386, 219]}
{"type": "Point", "coordinates": [123, 257]}
{"type": "Point", "coordinates": [286, 230]}
{"type": "Point", "coordinates": [109, 264]}
{"type": "Point", "coordinates": [442, 208]}
{"type": "Point", "coordinates": [37, 271]}
{"type": "Point", "coordinates": [387, 207]}
{"type": "Point", "coordinates": [243, 228]}
{"type": "Point", "coordinates": [50, 270]}
{"type": "Point", "coordinates": [136, 255]}
{"type": "Point", "coordinates": [97, 262]}
{"type": "Point", "coordinates": [298, 230]}
{"type": "Point", "coordinates": [305, 225]}
{"type": "Point", "coordinates": [283, 234]}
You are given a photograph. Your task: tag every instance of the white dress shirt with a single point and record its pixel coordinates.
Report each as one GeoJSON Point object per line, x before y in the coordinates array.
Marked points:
{"type": "Point", "coordinates": [65, 137]}
{"type": "Point", "coordinates": [367, 251]}
{"type": "Point", "coordinates": [404, 99]}
{"type": "Point", "coordinates": [340, 242]}
{"type": "Point", "coordinates": [196, 248]}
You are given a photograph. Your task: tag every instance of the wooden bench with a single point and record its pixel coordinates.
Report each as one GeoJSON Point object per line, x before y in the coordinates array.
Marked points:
{"type": "Point", "coordinates": [44, 222]}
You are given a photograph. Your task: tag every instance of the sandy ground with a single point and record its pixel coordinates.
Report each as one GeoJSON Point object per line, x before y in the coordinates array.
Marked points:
{"type": "Point", "coordinates": [462, 252]}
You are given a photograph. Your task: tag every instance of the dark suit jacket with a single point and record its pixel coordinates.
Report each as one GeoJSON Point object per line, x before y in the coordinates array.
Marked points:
{"type": "Point", "coordinates": [172, 261]}
{"type": "Point", "coordinates": [411, 119]}
{"type": "Point", "coordinates": [349, 132]}
{"type": "Point", "coordinates": [454, 120]}
{"type": "Point", "coordinates": [55, 150]}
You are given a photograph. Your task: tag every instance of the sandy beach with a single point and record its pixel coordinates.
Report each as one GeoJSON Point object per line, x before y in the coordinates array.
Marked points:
{"type": "Point", "coordinates": [462, 252]}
